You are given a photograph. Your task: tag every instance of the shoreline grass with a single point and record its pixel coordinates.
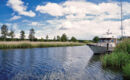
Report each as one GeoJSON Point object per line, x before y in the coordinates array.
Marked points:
{"type": "Point", "coordinates": [27, 44]}
{"type": "Point", "coordinates": [119, 58]}
{"type": "Point", "coordinates": [115, 60]}
{"type": "Point", "coordinates": [126, 71]}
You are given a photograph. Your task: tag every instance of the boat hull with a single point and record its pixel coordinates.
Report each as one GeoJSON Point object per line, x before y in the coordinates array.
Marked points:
{"type": "Point", "coordinates": [98, 49]}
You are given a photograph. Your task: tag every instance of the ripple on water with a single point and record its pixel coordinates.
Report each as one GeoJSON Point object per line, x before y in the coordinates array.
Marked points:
{"type": "Point", "coordinates": [60, 63]}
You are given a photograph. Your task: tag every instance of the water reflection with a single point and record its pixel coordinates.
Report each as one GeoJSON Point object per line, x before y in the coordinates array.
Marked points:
{"type": "Point", "coordinates": [94, 71]}
{"type": "Point", "coordinates": [61, 63]}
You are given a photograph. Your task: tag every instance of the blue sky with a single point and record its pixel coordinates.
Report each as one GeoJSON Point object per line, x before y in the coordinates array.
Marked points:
{"type": "Point", "coordinates": [80, 18]}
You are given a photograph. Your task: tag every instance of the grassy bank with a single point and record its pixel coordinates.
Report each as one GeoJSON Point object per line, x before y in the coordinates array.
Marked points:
{"type": "Point", "coordinates": [119, 59]}
{"type": "Point", "coordinates": [27, 44]}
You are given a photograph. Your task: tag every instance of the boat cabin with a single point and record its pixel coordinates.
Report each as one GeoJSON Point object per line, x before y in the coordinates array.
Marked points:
{"type": "Point", "coordinates": [106, 40]}
{"type": "Point", "coordinates": [126, 37]}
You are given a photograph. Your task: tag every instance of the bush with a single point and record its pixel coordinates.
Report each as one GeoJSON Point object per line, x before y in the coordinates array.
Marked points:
{"type": "Point", "coordinates": [96, 39]}
{"type": "Point", "coordinates": [73, 39]}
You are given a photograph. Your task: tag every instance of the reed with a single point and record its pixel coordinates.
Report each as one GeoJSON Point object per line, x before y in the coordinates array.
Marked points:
{"type": "Point", "coordinates": [120, 58]}
{"type": "Point", "coordinates": [114, 59]}
{"type": "Point", "coordinates": [123, 46]}
{"type": "Point", "coordinates": [126, 71]}
{"type": "Point", "coordinates": [9, 45]}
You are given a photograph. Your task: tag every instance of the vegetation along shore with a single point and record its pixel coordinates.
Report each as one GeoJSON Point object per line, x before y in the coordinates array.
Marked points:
{"type": "Point", "coordinates": [8, 40]}
{"type": "Point", "coordinates": [28, 44]}
{"type": "Point", "coordinates": [119, 58]}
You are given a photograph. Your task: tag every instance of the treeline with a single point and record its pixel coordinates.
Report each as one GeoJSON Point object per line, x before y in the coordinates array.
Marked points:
{"type": "Point", "coordinates": [7, 35]}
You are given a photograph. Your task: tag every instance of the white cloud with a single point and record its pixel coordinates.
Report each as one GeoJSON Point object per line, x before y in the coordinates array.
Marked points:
{"type": "Point", "coordinates": [51, 8]}
{"type": "Point", "coordinates": [37, 24]}
{"type": "Point", "coordinates": [126, 24]}
{"type": "Point", "coordinates": [18, 6]}
{"type": "Point", "coordinates": [126, 8]}
{"type": "Point", "coordinates": [34, 23]}
{"type": "Point", "coordinates": [84, 19]}
{"type": "Point", "coordinates": [81, 9]}
{"type": "Point", "coordinates": [15, 18]}
{"type": "Point", "coordinates": [25, 21]}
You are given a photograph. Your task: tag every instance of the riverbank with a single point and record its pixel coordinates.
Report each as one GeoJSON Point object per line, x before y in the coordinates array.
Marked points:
{"type": "Point", "coordinates": [28, 44]}
{"type": "Point", "coordinates": [119, 58]}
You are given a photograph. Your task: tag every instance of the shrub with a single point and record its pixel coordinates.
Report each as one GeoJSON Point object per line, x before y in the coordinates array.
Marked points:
{"type": "Point", "coordinates": [96, 39]}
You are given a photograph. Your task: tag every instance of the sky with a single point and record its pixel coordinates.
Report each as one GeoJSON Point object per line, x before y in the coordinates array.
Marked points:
{"type": "Point", "coordinates": [83, 19]}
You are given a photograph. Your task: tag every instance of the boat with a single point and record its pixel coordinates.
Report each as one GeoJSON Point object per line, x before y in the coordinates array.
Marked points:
{"type": "Point", "coordinates": [105, 44]}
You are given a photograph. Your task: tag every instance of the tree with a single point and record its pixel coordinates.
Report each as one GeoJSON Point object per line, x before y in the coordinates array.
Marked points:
{"type": "Point", "coordinates": [47, 37]}
{"type": "Point", "coordinates": [73, 39]}
{"type": "Point", "coordinates": [64, 37]}
{"type": "Point", "coordinates": [11, 34]}
{"type": "Point", "coordinates": [22, 35]}
{"type": "Point", "coordinates": [58, 38]}
{"type": "Point", "coordinates": [54, 39]}
{"type": "Point", "coordinates": [4, 32]}
{"type": "Point", "coordinates": [32, 34]}
{"type": "Point", "coordinates": [41, 39]}
{"type": "Point", "coordinates": [96, 39]}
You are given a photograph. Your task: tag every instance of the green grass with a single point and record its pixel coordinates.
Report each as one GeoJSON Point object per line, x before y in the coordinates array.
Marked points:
{"type": "Point", "coordinates": [124, 46]}
{"type": "Point", "coordinates": [8, 46]}
{"type": "Point", "coordinates": [119, 58]}
{"type": "Point", "coordinates": [126, 71]}
{"type": "Point", "coordinates": [115, 59]}
{"type": "Point", "coordinates": [29, 45]}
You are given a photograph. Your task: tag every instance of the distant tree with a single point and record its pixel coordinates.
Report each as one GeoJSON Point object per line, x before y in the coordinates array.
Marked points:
{"type": "Point", "coordinates": [73, 39]}
{"type": "Point", "coordinates": [41, 39]}
{"type": "Point", "coordinates": [96, 39]}
{"type": "Point", "coordinates": [47, 37]}
{"type": "Point", "coordinates": [54, 39]}
{"type": "Point", "coordinates": [32, 34]}
{"type": "Point", "coordinates": [22, 35]}
{"type": "Point", "coordinates": [11, 34]}
{"type": "Point", "coordinates": [4, 32]}
{"type": "Point", "coordinates": [64, 37]}
{"type": "Point", "coordinates": [58, 38]}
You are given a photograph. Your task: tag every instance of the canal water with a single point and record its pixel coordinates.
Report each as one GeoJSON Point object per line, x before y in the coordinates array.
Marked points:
{"type": "Point", "coordinates": [59, 63]}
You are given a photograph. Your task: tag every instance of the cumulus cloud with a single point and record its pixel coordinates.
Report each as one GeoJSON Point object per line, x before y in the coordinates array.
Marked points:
{"type": "Point", "coordinates": [84, 19]}
{"type": "Point", "coordinates": [51, 8]}
{"type": "Point", "coordinates": [18, 6]}
{"type": "Point", "coordinates": [81, 9]}
{"type": "Point", "coordinates": [15, 18]}
{"type": "Point", "coordinates": [36, 24]}
{"type": "Point", "coordinates": [126, 10]}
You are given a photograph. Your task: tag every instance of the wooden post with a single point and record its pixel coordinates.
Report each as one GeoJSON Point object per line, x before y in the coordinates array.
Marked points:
{"type": "Point", "coordinates": [107, 47]}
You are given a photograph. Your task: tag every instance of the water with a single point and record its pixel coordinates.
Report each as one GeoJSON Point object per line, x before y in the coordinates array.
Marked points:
{"type": "Point", "coordinates": [60, 63]}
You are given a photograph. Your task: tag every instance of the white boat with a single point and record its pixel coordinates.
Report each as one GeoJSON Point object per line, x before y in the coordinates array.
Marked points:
{"type": "Point", "coordinates": [106, 44]}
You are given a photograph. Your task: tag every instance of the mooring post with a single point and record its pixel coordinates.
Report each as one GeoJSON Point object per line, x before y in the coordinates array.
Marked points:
{"type": "Point", "coordinates": [108, 47]}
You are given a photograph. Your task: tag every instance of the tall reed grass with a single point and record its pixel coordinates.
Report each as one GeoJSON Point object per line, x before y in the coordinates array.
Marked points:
{"type": "Point", "coordinates": [119, 58]}
{"type": "Point", "coordinates": [123, 46]}
{"type": "Point", "coordinates": [126, 71]}
{"type": "Point", "coordinates": [114, 59]}
{"type": "Point", "coordinates": [39, 45]}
